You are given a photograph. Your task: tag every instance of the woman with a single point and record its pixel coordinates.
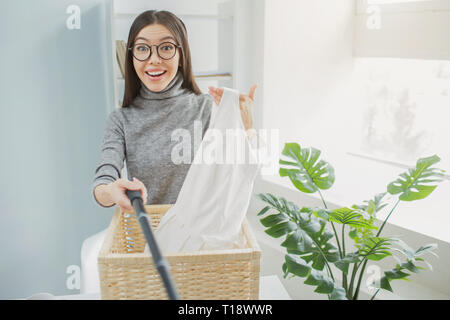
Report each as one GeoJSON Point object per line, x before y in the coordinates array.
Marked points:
{"type": "Point", "coordinates": [160, 96]}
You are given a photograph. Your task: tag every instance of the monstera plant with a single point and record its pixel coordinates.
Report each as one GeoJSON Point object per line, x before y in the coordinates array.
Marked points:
{"type": "Point", "coordinates": [312, 242]}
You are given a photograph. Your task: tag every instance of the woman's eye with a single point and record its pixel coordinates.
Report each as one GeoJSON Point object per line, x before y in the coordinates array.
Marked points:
{"type": "Point", "coordinates": [167, 48]}
{"type": "Point", "coordinates": [142, 48]}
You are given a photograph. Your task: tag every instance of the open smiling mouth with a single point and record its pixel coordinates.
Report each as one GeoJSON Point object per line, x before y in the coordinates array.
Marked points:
{"type": "Point", "coordinates": [155, 75]}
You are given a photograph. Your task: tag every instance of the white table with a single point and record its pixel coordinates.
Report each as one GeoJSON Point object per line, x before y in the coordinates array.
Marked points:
{"type": "Point", "coordinates": [270, 288]}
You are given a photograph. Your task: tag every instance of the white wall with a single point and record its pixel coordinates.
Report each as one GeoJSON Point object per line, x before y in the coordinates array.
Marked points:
{"type": "Point", "coordinates": [308, 60]}
{"type": "Point", "coordinates": [56, 90]}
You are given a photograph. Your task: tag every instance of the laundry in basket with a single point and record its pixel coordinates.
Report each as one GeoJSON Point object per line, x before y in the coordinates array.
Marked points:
{"type": "Point", "coordinates": [215, 195]}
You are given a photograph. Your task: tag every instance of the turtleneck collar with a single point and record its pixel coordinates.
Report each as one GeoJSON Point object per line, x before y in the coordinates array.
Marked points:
{"type": "Point", "coordinates": [173, 89]}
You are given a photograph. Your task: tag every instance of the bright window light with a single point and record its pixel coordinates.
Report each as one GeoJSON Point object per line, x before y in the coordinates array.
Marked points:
{"type": "Point", "coordinates": [406, 108]}
{"type": "Point", "coordinates": [392, 1]}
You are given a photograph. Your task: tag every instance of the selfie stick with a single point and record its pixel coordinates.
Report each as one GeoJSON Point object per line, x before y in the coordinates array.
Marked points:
{"type": "Point", "coordinates": [160, 262]}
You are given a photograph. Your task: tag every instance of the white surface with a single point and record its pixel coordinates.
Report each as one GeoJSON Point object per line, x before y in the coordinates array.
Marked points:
{"type": "Point", "coordinates": [89, 253]}
{"type": "Point", "coordinates": [270, 288]}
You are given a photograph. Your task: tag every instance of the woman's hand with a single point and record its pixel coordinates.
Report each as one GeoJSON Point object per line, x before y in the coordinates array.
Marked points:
{"type": "Point", "coordinates": [117, 193]}
{"type": "Point", "coordinates": [245, 104]}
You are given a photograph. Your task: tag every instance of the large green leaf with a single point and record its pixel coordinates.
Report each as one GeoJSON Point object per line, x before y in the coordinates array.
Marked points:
{"type": "Point", "coordinates": [384, 284]}
{"type": "Point", "coordinates": [273, 219]}
{"type": "Point", "coordinates": [323, 283]}
{"type": "Point", "coordinates": [372, 206]}
{"type": "Point", "coordinates": [344, 263]}
{"type": "Point", "coordinates": [281, 229]}
{"type": "Point", "coordinates": [306, 235]}
{"type": "Point", "coordinates": [376, 248]}
{"type": "Point", "coordinates": [350, 217]}
{"type": "Point", "coordinates": [306, 172]}
{"type": "Point", "coordinates": [264, 210]}
{"type": "Point", "coordinates": [318, 249]}
{"type": "Point", "coordinates": [368, 211]}
{"type": "Point", "coordinates": [412, 256]}
{"type": "Point", "coordinates": [270, 199]}
{"type": "Point", "coordinates": [298, 241]}
{"type": "Point", "coordinates": [297, 266]}
{"type": "Point", "coordinates": [417, 183]}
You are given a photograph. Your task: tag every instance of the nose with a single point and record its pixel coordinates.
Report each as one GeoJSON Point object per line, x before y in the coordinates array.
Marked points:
{"type": "Point", "coordinates": [154, 57]}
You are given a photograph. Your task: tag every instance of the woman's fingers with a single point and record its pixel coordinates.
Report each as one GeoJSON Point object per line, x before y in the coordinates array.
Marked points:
{"type": "Point", "coordinates": [215, 96]}
{"type": "Point", "coordinates": [125, 204]}
{"type": "Point", "coordinates": [251, 94]}
{"type": "Point", "coordinates": [216, 93]}
{"type": "Point", "coordinates": [131, 185]}
{"type": "Point", "coordinates": [124, 201]}
{"type": "Point", "coordinates": [143, 189]}
{"type": "Point", "coordinates": [246, 107]}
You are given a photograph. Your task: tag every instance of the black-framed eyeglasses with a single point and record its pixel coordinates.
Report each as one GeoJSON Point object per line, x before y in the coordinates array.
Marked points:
{"type": "Point", "coordinates": [165, 50]}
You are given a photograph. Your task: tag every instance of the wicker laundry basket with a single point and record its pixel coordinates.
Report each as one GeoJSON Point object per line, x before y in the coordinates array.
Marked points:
{"type": "Point", "coordinates": [127, 273]}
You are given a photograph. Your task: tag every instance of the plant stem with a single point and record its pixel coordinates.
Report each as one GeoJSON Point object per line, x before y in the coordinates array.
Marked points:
{"type": "Point", "coordinates": [385, 220]}
{"type": "Point", "coordinates": [355, 296]}
{"type": "Point", "coordinates": [337, 240]}
{"type": "Point", "coordinates": [352, 280]}
{"type": "Point", "coordinates": [323, 200]}
{"type": "Point", "coordinates": [344, 281]}
{"type": "Point", "coordinates": [332, 225]}
{"type": "Point", "coordinates": [344, 275]}
{"type": "Point", "coordinates": [328, 272]}
{"type": "Point", "coordinates": [343, 241]}
{"type": "Point", "coordinates": [365, 259]}
{"type": "Point", "coordinates": [373, 297]}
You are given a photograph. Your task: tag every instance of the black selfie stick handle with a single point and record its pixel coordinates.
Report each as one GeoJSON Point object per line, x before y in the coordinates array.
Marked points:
{"type": "Point", "coordinates": [160, 262]}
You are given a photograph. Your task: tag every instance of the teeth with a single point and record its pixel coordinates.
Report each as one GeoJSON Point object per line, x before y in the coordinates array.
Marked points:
{"type": "Point", "coordinates": [155, 73]}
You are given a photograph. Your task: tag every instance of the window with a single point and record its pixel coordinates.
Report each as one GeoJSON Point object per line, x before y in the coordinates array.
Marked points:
{"type": "Point", "coordinates": [392, 1]}
{"type": "Point", "coordinates": [396, 110]}
{"type": "Point", "coordinates": [405, 109]}
{"type": "Point", "coordinates": [403, 5]}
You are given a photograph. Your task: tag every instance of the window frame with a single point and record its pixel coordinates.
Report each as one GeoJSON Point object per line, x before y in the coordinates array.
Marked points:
{"type": "Point", "coordinates": [401, 7]}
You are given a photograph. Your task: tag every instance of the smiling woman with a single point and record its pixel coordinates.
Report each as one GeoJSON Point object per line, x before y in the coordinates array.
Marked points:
{"type": "Point", "coordinates": [160, 96]}
{"type": "Point", "coordinates": [163, 33]}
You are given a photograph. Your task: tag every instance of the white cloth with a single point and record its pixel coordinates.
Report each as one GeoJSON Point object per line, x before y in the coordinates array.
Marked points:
{"type": "Point", "coordinates": [215, 195]}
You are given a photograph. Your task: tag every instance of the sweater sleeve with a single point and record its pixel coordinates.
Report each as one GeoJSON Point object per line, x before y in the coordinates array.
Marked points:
{"type": "Point", "coordinates": [112, 153]}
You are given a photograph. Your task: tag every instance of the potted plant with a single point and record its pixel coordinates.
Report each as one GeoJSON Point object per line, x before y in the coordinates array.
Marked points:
{"type": "Point", "coordinates": [312, 242]}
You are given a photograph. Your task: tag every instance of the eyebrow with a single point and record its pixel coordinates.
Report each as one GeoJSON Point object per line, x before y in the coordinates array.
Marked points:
{"type": "Point", "coordinates": [164, 38]}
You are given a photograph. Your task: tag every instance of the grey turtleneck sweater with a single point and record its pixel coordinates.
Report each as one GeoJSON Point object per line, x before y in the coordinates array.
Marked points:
{"type": "Point", "coordinates": [141, 134]}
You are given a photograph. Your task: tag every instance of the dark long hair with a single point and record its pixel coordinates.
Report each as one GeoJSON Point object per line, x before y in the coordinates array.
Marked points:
{"type": "Point", "coordinates": [178, 29]}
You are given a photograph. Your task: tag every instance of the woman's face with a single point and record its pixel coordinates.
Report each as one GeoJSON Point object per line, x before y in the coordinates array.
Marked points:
{"type": "Point", "coordinates": [155, 34]}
